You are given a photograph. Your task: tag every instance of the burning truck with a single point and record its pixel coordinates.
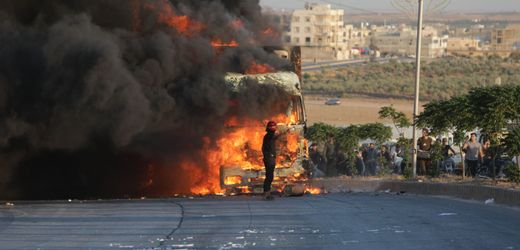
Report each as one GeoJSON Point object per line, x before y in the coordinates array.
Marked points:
{"type": "Point", "coordinates": [132, 98]}
{"type": "Point", "coordinates": [244, 172]}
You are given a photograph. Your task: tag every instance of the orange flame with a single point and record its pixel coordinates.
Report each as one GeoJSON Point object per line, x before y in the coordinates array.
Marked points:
{"type": "Point", "coordinates": [182, 23]}
{"type": "Point", "coordinates": [233, 180]}
{"type": "Point", "coordinates": [312, 190]}
{"type": "Point", "coordinates": [232, 122]}
{"type": "Point", "coordinates": [217, 43]}
{"type": "Point", "coordinates": [203, 182]}
{"type": "Point", "coordinates": [256, 68]}
{"type": "Point", "coordinates": [240, 146]}
{"type": "Point", "coordinates": [291, 119]}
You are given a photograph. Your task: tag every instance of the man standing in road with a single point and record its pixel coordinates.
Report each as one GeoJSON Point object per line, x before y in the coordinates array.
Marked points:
{"type": "Point", "coordinates": [269, 152]}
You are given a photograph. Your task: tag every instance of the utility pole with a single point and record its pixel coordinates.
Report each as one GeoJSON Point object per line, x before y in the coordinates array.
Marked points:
{"type": "Point", "coordinates": [417, 81]}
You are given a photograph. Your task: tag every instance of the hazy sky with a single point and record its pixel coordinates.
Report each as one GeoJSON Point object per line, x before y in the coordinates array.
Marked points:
{"type": "Point", "coordinates": [385, 6]}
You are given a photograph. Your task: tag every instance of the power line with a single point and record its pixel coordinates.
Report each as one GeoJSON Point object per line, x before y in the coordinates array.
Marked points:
{"type": "Point", "coordinates": [408, 7]}
{"type": "Point", "coordinates": [349, 6]}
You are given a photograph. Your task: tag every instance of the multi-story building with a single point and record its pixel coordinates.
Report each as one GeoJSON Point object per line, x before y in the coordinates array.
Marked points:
{"type": "Point", "coordinates": [403, 41]}
{"type": "Point", "coordinates": [464, 46]}
{"type": "Point", "coordinates": [505, 40]}
{"type": "Point", "coordinates": [321, 33]}
{"type": "Point", "coordinates": [282, 19]}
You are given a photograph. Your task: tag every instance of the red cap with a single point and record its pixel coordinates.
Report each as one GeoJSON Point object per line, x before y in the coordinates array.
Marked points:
{"type": "Point", "coordinates": [271, 123]}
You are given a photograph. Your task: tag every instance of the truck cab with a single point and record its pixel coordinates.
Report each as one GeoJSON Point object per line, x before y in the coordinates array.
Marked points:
{"type": "Point", "coordinates": [246, 173]}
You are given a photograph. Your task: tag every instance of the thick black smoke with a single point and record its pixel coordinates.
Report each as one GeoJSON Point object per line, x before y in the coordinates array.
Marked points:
{"type": "Point", "coordinates": [96, 95]}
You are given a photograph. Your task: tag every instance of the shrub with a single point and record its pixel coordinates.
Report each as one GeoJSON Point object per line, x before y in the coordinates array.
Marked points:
{"type": "Point", "coordinates": [512, 172]}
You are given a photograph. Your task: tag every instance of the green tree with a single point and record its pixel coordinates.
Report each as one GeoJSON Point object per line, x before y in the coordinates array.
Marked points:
{"type": "Point", "coordinates": [375, 131]}
{"type": "Point", "coordinates": [493, 110]}
{"type": "Point", "coordinates": [348, 138]}
{"type": "Point", "coordinates": [320, 132]}
{"type": "Point", "coordinates": [399, 119]}
{"type": "Point", "coordinates": [512, 144]}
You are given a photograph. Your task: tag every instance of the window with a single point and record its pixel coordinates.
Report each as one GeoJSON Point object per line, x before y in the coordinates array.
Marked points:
{"type": "Point", "coordinates": [296, 29]}
{"type": "Point", "coordinates": [296, 19]}
{"type": "Point", "coordinates": [287, 39]}
{"type": "Point", "coordinates": [307, 39]}
{"type": "Point", "coordinates": [307, 29]}
{"type": "Point", "coordinates": [297, 40]}
{"type": "Point", "coordinates": [297, 108]}
{"type": "Point", "coordinates": [308, 19]}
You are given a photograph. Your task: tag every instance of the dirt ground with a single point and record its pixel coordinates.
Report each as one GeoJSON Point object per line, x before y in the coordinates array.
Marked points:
{"type": "Point", "coordinates": [353, 109]}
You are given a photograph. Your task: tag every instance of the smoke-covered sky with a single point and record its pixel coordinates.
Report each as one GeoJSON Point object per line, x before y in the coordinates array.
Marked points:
{"type": "Point", "coordinates": [360, 6]}
{"type": "Point", "coordinates": [97, 97]}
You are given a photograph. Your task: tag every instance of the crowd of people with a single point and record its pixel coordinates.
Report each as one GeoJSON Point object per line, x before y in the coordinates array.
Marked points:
{"type": "Point", "coordinates": [433, 157]}
{"type": "Point", "coordinates": [368, 161]}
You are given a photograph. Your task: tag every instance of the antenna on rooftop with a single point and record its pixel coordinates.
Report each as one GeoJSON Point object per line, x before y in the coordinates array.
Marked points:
{"type": "Point", "coordinates": [409, 7]}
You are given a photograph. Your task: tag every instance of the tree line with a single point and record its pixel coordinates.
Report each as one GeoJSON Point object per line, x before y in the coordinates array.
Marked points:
{"type": "Point", "coordinates": [493, 111]}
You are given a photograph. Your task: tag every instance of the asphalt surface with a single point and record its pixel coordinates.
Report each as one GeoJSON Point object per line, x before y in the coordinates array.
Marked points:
{"type": "Point", "coordinates": [333, 221]}
{"type": "Point", "coordinates": [318, 66]}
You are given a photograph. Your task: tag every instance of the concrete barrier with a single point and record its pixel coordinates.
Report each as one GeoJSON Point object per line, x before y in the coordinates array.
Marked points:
{"type": "Point", "coordinates": [459, 190]}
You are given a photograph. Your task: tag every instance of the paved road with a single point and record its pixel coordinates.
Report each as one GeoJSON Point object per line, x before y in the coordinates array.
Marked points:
{"type": "Point", "coordinates": [334, 221]}
{"type": "Point", "coordinates": [309, 67]}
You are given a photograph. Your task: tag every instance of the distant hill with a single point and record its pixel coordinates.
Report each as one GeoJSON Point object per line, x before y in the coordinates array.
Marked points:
{"type": "Point", "coordinates": [440, 79]}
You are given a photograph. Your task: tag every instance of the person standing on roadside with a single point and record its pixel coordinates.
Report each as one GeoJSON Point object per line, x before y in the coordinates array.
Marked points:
{"type": "Point", "coordinates": [371, 158]}
{"type": "Point", "coordinates": [487, 158]}
{"type": "Point", "coordinates": [473, 151]}
{"type": "Point", "coordinates": [317, 160]}
{"type": "Point", "coordinates": [331, 157]}
{"type": "Point", "coordinates": [424, 144]}
{"type": "Point", "coordinates": [386, 157]}
{"type": "Point", "coordinates": [448, 164]}
{"type": "Point", "coordinates": [360, 164]}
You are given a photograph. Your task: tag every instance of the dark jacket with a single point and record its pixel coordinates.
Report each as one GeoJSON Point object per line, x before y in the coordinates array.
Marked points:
{"type": "Point", "coordinates": [269, 147]}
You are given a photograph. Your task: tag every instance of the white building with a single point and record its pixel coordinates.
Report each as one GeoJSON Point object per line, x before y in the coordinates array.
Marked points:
{"type": "Point", "coordinates": [321, 33]}
{"type": "Point", "coordinates": [403, 42]}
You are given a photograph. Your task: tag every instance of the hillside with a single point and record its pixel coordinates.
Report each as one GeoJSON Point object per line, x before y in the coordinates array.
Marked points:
{"type": "Point", "coordinates": [440, 78]}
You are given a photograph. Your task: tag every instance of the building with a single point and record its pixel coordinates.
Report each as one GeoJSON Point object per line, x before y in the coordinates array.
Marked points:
{"type": "Point", "coordinates": [282, 19]}
{"type": "Point", "coordinates": [505, 40]}
{"type": "Point", "coordinates": [402, 42]}
{"type": "Point", "coordinates": [321, 33]}
{"type": "Point", "coordinates": [480, 40]}
{"type": "Point", "coordinates": [462, 46]}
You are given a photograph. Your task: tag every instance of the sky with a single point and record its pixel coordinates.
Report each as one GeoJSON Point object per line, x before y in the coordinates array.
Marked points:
{"type": "Point", "coordinates": [385, 5]}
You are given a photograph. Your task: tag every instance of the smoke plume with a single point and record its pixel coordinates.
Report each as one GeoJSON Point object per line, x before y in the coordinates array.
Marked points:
{"type": "Point", "coordinates": [97, 97]}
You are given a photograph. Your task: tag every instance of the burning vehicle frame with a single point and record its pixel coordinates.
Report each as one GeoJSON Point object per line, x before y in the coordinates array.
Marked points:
{"type": "Point", "coordinates": [247, 174]}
